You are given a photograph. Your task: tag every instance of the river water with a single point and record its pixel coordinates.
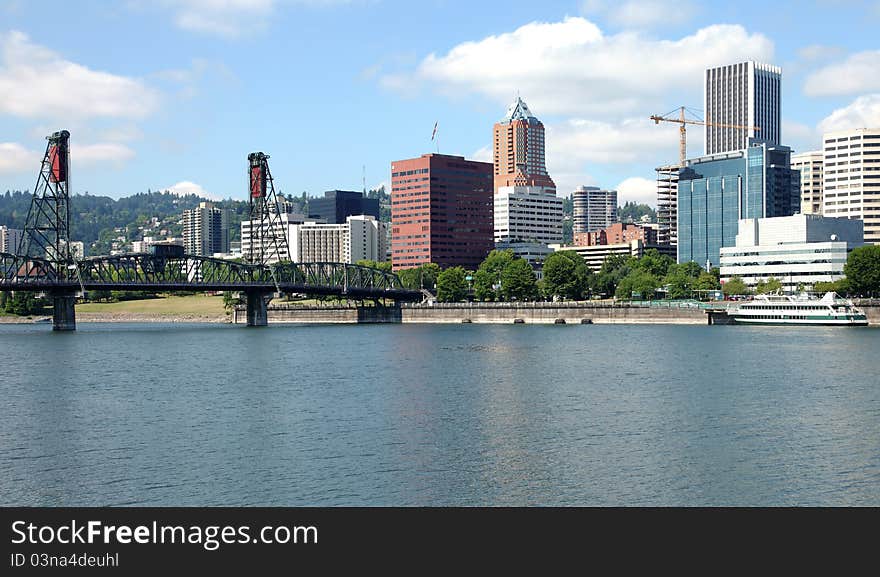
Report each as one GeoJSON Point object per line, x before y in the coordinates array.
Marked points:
{"type": "Point", "coordinates": [294, 415]}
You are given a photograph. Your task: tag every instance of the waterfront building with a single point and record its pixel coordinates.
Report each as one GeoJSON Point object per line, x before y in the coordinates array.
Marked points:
{"type": "Point", "coordinates": [441, 211]}
{"type": "Point", "coordinates": [798, 250]}
{"type": "Point", "coordinates": [745, 94]}
{"type": "Point", "coordinates": [851, 160]}
{"type": "Point", "coordinates": [365, 239]}
{"type": "Point", "coordinates": [810, 165]}
{"type": "Point", "coordinates": [593, 208]}
{"type": "Point", "coordinates": [667, 204]}
{"type": "Point", "coordinates": [10, 239]}
{"type": "Point", "coordinates": [279, 230]}
{"type": "Point", "coordinates": [715, 192]}
{"type": "Point", "coordinates": [518, 150]}
{"type": "Point", "coordinates": [317, 242]}
{"type": "Point", "coordinates": [337, 205]}
{"type": "Point", "coordinates": [360, 237]}
{"type": "Point", "coordinates": [527, 214]}
{"type": "Point", "coordinates": [617, 233]}
{"type": "Point", "coordinates": [595, 255]}
{"type": "Point", "coordinates": [205, 230]}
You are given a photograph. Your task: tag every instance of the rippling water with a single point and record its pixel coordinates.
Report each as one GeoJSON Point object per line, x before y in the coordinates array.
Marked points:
{"type": "Point", "coordinates": [439, 415]}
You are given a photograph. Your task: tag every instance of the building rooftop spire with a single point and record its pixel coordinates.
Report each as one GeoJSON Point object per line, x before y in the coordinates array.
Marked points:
{"type": "Point", "coordinates": [518, 110]}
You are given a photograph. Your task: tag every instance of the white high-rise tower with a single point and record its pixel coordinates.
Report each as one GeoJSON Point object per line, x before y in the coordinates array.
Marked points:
{"type": "Point", "coordinates": [745, 94]}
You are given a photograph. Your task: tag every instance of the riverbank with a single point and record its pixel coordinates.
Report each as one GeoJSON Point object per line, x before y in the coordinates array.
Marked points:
{"type": "Point", "coordinates": [604, 312]}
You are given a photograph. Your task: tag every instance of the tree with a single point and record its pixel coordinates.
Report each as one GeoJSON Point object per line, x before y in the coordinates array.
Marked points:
{"type": "Point", "coordinates": [518, 281]}
{"type": "Point", "coordinates": [423, 276]}
{"type": "Point", "coordinates": [862, 270]}
{"type": "Point", "coordinates": [488, 275]}
{"type": "Point", "coordinates": [655, 263]}
{"type": "Point", "coordinates": [615, 268]}
{"type": "Point", "coordinates": [839, 286]}
{"type": "Point", "coordinates": [772, 285]}
{"type": "Point", "coordinates": [383, 266]}
{"type": "Point", "coordinates": [566, 275]}
{"type": "Point", "coordinates": [637, 282]}
{"type": "Point", "coordinates": [452, 285]}
{"type": "Point", "coordinates": [22, 303]}
{"type": "Point", "coordinates": [707, 282]}
{"type": "Point", "coordinates": [735, 286]}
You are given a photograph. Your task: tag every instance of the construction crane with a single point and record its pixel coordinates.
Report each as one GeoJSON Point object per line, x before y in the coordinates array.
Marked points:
{"type": "Point", "coordinates": [683, 122]}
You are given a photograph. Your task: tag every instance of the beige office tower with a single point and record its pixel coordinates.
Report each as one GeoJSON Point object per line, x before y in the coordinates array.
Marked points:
{"type": "Point", "coordinates": [809, 164]}
{"type": "Point", "coordinates": [851, 172]}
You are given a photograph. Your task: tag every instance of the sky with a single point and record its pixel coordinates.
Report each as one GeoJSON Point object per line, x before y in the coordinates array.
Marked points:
{"type": "Point", "coordinates": [174, 94]}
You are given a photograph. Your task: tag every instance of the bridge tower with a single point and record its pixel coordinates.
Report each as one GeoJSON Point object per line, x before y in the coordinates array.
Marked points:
{"type": "Point", "coordinates": [268, 232]}
{"type": "Point", "coordinates": [268, 238]}
{"type": "Point", "coordinates": [47, 228]}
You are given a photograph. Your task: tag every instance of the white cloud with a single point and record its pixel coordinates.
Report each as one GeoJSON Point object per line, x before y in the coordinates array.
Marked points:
{"type": "Point", "coordinates": [36, 82]}
{"type": "Point", "coordinates": [815, 52]}
{"type": "Point", "coordinates": [484, 154]}
{"type": "Point", "coordinates": [641, 13]}
{"type": "Point", "coordinates": [863, 112]}
{"type": "Point", "coordinates": [185, 187]}
{"type": "Point", "coordinates": [15, 158]}
{"type": "Point", "coordinates": [571, 68]}
{"type": "Point", "coordinates": [800, 137]}
{"type": "Point", "coordinates": [637, 189]}
{"type": "Point", "coordinates": [91, 154]}
{"type": "Point", "coordinates": [859, 73]}
{"type": "Point", "coordinates": [228, 18]}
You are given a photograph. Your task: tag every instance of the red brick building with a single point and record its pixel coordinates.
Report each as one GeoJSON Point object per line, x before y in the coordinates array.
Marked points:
{"type": "Point", "coordinates": [518, 150]}
{"type": "Point", "coordinates": [441, 211]}
{"type": "Point", "coordinates": [617, 233]}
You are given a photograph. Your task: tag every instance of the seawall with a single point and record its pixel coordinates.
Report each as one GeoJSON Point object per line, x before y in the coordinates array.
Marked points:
{"type": "Point", "coordinates": [499, 313]}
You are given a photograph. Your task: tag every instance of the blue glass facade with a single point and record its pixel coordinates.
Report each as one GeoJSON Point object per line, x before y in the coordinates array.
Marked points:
{"type": "Point", "coordinates": [714, 192]}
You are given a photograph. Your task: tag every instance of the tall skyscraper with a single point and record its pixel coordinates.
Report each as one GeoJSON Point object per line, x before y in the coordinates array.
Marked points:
{"type": "Point", "coordinates": [205, 230]}
{"type": "Point", "coordinates": [809, 164]}
{"type": "Point", "coordinates": [593, 208]}
{"type": "Point", "coordinates": [715, 192]}
{"type": "Point", "coordinates": [518, 150]}
{"type": "Point", "coordinates": [441, 211]}
{"type": "Point", "coordinates": [9, 239]}
{"type": "Point", "coordinates": [852, 177]}
{"type": "Point", "coordinates": [745, 94]}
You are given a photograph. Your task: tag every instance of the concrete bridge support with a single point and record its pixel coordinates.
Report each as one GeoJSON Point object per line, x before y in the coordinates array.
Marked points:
{"type": "Point", "coordinates": [257, 313]}
{"type": "Point", "coordinates": [63, 312]}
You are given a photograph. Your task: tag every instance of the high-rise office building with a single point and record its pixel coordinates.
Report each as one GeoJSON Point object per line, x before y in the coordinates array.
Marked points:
{"type": "Point", "coordinates": [593, 208]}
{"type": "Point", "coordinates": [851, 160]}
{"type": "Point", "coordinates": [744, 94]}
{"type": "Point", "coordinates": [205, 230]}
{"type": "Point", "coordinates": [337, 205]}
{"type": "Point", "coordinates": [810, 165]}
{"type": "Point", "coordinates": [9, 239]}
{"type": "Point", "coordinates": [441, 211]}
{"type": "Point", "coordinates": [527, 214]}
{"type": "Point", "coordinates": [518, 150]}
{"type": "Point", "coordinates": [715, 192]}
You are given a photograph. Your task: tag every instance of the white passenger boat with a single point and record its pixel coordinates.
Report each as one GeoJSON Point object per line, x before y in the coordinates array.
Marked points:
{"type": "Point", "coordinates": [797, 310]}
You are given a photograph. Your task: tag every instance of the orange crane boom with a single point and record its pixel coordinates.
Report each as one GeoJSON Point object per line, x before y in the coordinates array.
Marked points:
{"type": "Point", "coordinates": [682, 122]}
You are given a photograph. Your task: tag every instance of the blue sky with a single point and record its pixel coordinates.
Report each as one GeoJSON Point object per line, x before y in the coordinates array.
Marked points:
{"type": "Point", "coordinates": [175, 93]}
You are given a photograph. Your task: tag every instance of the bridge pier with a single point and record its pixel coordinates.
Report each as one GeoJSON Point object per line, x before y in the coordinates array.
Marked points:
{"type": "Point", "coordinates": [257, 311]}
{"type": "Point", "coordinates": [63, 312]}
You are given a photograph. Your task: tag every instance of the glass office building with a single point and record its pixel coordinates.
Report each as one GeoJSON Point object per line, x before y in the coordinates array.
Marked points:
{"type": "Point", "coordinates": [715, 192]}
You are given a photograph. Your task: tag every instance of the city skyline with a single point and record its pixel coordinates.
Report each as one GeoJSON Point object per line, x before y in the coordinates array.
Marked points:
{"type": "Point", "coordinates": [176, 94]}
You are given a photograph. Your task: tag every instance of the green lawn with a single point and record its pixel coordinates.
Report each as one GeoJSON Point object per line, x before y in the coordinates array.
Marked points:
{"type": "Point", "coordinates": [171, 305]}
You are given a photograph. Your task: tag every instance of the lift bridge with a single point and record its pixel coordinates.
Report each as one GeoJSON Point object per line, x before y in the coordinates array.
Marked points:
{"type": "Point", "coordinates": [45, 263]}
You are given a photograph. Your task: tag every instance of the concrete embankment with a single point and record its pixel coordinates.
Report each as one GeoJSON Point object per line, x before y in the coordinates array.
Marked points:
{"type": "Point", "coordinates": [503, 313]}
